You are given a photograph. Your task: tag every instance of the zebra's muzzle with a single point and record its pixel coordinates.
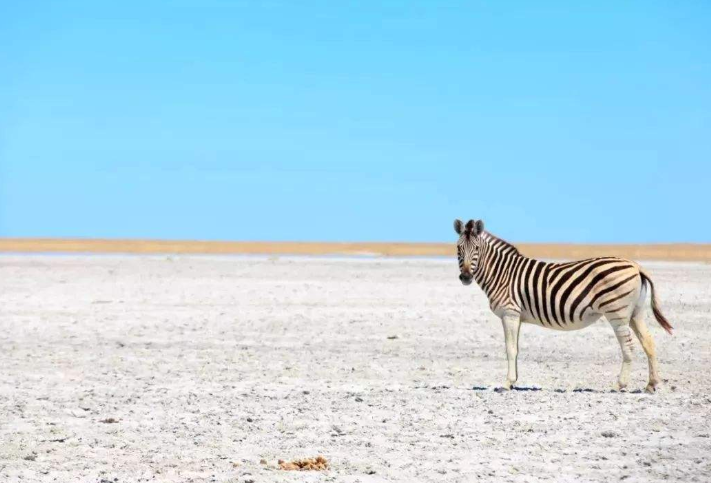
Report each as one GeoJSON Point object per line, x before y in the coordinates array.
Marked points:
{"type": "Point", "coordinates": [465, 278]}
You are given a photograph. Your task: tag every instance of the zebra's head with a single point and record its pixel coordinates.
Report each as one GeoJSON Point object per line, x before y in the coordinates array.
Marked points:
{"type": "Point", "coordinates": [468, 248]}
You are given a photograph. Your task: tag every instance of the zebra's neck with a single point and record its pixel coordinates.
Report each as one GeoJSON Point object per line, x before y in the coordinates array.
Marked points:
{"type": "Point", "coordinates": [496, 261]}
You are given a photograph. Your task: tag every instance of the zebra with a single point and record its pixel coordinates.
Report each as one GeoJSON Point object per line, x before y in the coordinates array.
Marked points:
{"type": "Point", "coordinates": [562, 296]}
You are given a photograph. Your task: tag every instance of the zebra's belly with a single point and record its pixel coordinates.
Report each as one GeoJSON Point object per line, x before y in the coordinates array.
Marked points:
{"type": "Point", "coordinates": [568, 325]}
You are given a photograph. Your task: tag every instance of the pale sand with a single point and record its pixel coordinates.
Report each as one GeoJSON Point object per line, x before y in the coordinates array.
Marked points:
{"type": "Point", "coordinates": [668, 251]}
{"type": "Point", "coordinates": [208, 362]}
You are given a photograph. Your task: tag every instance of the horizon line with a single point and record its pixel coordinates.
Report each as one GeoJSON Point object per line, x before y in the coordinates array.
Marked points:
{"type": "Point", "coordinates": [672, 251]}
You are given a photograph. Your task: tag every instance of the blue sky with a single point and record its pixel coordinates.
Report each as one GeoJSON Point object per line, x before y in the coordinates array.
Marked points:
{"type": "Point", "coordinates": [280, 120]}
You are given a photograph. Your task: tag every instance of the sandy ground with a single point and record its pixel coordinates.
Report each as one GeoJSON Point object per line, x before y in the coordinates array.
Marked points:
{"type": "Point", "coordinates": [680, 252]}
{"type": "Point", "coordinates": [126, 369]}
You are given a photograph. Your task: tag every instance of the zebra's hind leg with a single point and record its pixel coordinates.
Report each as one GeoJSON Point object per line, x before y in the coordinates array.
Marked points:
{"type": "Point", "coordinates": [642, 333]}
{"type": "Point", "coordinates": [624, 337]}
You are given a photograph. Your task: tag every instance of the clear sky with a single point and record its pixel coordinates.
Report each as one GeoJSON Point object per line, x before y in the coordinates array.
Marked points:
{"type": "Point", "coordinates": [337, 120]}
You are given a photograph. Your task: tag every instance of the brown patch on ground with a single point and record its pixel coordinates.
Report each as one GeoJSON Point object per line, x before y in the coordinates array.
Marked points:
{"type": "Point", "coordinates": [667, 251]}
{"type": "Point", "coordinates": [309, 464]}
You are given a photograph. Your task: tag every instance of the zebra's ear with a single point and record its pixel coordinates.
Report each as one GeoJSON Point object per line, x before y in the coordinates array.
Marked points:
{"type": "Point", "coordinates": [478, 228]}
{"type": "Point", "coordinates": [458, 226]}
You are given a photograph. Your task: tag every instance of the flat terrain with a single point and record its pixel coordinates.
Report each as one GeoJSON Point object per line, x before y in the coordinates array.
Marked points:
{"type": "Point", "coordinates": [195, 368]}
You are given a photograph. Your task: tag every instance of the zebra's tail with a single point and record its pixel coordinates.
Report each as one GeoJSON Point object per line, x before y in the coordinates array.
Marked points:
{"type": "Point", "coordinates": [655, 304]}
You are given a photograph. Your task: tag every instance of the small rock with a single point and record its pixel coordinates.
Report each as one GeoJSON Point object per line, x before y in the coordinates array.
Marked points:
{"type": "Point", "coordinates": [30, 457]}
{"type": "Point", "coordinates": [609, 434]}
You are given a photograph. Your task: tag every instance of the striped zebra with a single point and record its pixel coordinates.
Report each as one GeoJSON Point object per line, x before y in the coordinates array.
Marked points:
{"type": "Point", "coordinates": [563, 296]}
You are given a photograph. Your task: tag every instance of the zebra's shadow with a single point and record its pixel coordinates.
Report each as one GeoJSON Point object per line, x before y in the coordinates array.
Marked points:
{"type": "Point", "coordinates": [560, 391]}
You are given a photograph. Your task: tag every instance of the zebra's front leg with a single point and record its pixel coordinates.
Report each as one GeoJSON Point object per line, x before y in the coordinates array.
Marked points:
{"type": "Point", "coordinates": [512, 326]}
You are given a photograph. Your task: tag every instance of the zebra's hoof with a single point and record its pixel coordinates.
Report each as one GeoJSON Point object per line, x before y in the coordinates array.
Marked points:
{"type": "Point", "coordinates": [619, 387]}
{"type": "Point", "coordinates": [650, 389]}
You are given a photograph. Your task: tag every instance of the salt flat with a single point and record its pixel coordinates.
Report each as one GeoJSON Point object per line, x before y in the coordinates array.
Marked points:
{"type": "Point", "coordinates": [189, 368]}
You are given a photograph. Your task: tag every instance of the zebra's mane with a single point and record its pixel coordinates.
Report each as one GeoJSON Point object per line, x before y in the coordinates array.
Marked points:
{"type": "Point", "coordinates": [497, 242]}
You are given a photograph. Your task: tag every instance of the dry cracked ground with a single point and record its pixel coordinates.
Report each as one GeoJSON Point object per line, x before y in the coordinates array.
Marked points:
{"type": "Point", "coordinates": [128, 369]}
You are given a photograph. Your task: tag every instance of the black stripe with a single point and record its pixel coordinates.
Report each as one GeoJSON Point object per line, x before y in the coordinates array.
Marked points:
{"type": "Point", "coordinates": [536, 301]}
{"type": "Point", "coordinates": [526, 277]}
{"type": "Point", "coordinates": [617, 309]}
{"type": "Point", "coordinates": [615, 299]}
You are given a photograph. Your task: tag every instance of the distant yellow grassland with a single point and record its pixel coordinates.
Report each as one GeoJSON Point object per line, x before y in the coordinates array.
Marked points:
{"type": "Point", "coordinates": [672, 251]}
